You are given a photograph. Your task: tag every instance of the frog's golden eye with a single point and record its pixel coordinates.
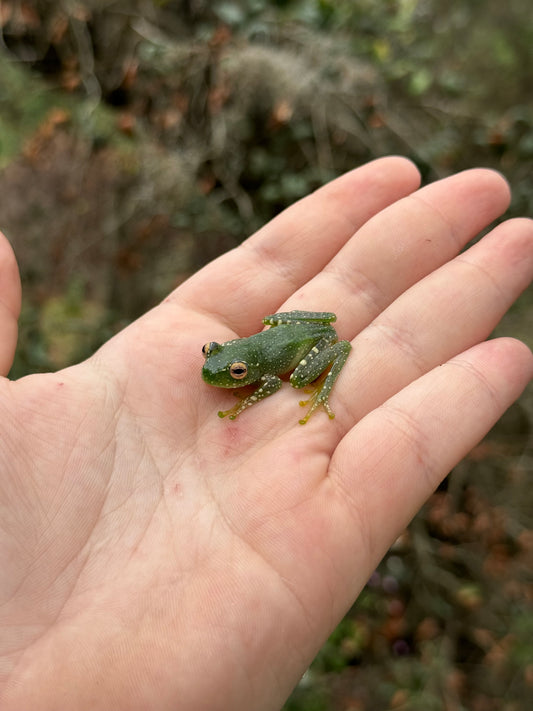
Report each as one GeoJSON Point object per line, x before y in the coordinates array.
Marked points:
{"type": "Point", "coordinates": [238, 370]}
{"type": "Point", "coordinates": [208, 348]}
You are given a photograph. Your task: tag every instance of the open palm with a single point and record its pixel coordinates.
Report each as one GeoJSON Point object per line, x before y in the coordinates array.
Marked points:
{"type": "Point", "coordinates": [156, 557]}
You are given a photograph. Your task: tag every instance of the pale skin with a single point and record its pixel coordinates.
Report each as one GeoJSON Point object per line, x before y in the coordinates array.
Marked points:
{"type": "Point", "coordinates": [154, 556]}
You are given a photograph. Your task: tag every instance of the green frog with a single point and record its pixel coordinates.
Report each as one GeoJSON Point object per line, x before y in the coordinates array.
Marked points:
{"type": "Point", "coordinates": [303, 343]}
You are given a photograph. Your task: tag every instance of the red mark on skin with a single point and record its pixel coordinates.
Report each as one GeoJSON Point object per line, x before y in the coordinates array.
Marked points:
{"type": "Point", "coordinates": [177, 489]}
{"type": "Point", "coordinates": [233, 438]}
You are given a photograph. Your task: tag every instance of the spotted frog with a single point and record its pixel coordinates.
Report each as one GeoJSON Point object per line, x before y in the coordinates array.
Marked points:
{"type": "Point", "coordinates": [302, 343]}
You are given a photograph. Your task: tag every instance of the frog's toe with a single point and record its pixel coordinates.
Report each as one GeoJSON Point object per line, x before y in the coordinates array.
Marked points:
{"type": "Point", "coordinates": [328, 409]}
{"type": "Point", "coordinates": [231, 413]}
{"type": "Point", "coordinates": [315, 404]}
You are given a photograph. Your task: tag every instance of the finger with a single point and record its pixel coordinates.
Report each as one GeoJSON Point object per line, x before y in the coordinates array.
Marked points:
{"type": "Point", "coordinates": [402, 244]}
{"type": "Point", "coordinates": [390, 462]}
{"type": "Point", "coordinates": [10, 300]}
{"type": "Point", "coordinates": [453, 308]}
{"type": "Point", "coordinates": [253, 280]}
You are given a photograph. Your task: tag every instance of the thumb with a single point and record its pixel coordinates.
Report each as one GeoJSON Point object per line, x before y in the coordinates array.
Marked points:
{"type": "Point", "coordinates": [10, 298]}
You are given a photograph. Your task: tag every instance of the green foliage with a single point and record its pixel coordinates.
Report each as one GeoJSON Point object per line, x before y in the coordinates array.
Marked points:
{"type": "Point", "coordinates": [520, 638]}
{"type": "Point", "coordinates": [71, 325]}
{"type": "Point", "coordinates": [24, 102]}
{"type": "Point", "coordinates": [63, 330]}
{"type": "Point", "coordinates": [31, 355]}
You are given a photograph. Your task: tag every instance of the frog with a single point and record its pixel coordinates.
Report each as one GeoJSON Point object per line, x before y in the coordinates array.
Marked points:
{"type": "Point", "coordinates": [302, 343]}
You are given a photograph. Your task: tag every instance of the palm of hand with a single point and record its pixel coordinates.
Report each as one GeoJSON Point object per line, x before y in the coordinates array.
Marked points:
{"type": "Point", "coordinates": [147, 544]}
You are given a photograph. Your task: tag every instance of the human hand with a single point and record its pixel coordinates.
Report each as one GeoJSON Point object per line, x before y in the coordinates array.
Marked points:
{"type": "Point", "coordinates": [156, 557]}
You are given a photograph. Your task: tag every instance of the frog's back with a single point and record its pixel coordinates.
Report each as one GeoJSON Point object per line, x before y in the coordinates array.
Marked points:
{"type": "Point", "coordinates": [281, 347]}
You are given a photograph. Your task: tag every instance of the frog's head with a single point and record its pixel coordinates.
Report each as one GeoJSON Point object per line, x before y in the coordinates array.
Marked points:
{"type": "Point", "coordinates": [224, 368]}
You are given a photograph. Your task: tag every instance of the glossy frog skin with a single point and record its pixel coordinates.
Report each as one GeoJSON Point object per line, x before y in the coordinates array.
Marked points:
{"type": "Point", "coordinates": [303, 342]}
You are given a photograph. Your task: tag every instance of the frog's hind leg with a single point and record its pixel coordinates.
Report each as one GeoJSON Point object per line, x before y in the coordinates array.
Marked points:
{"type": "Point", "coordinates": [299, 317]}
{"type": "Point", "coordinates": [322, 370]}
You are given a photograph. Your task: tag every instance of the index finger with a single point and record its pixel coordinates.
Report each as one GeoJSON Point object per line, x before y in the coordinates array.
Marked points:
{"type": "Point", "coordinates": [240, 287]}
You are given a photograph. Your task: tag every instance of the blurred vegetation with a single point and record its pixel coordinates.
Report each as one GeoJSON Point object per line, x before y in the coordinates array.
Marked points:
{"type": "Point", "coordinates": [140, 139]}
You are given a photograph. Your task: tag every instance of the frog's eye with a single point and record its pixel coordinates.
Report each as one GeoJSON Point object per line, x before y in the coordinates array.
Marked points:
{"type": "Point", "coordinates": [238, 370]}
{"type": "Point", "coordinates": [208, 348]}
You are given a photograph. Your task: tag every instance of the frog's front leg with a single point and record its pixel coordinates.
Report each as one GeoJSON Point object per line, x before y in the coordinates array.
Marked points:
{"type": "Point", "coordinates": [316, 362]}
{"type": "Point", "coordinates": [268, 385]}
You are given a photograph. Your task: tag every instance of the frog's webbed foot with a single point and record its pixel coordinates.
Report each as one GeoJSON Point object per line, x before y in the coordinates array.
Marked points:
{"type": "Point", "coordinates": [315, 400]}
{"type": "Point", "coordinates": [327, 364]}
